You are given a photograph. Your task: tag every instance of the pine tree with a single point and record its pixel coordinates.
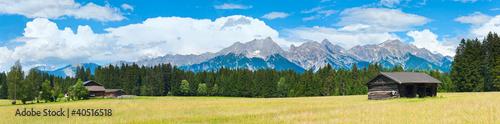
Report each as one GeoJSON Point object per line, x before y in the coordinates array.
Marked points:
{"type": "Point", "coordinates": [458, 67]}
{"type": "Point", "coordinates": [3, 86]}
{"type": "Point", "coordinates": [32, 81]}
{"type": "Point", "coordinates": [493, 62]}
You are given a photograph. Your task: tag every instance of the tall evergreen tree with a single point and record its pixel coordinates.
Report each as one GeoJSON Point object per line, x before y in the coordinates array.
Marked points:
{"type": "Point", "coordinates": [33, 80]}
{"type": "Point", "coordinates": [3, 86]}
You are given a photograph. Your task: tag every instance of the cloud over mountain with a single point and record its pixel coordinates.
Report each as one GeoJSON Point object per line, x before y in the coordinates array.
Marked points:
{"type": "Point", "coordinates": [427, 39]}
{"type": "Point", "coordinates": [44, 42]}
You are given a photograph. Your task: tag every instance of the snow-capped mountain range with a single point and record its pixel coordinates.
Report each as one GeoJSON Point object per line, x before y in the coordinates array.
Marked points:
{"type": "Point", "coordinates": [265, 53]}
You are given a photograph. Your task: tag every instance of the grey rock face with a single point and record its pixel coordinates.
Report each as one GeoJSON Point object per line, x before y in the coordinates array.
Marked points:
{"type": "Point", "coordinates": [256, 48]}
{"type": "Point", "coordinates": [392, 48]}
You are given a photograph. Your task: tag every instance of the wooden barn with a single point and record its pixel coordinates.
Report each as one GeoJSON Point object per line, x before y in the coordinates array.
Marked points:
{"type": "Point", "coordinates": [386, 85]}
{"type": "Point", "coordinates": [96, 90]}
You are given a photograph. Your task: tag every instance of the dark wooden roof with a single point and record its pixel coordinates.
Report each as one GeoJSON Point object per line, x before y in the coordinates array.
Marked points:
{"type": "Point", "coordinates": [114, 90]}
{"type": "Point", "coordinates": [95, 88]}
{"type": "Point", "coordinates": [91, 83]}
{"type": "Point", "coordinates": [406, 77]}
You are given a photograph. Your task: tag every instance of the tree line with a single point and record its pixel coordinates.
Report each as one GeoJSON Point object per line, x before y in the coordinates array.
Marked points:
{"type": "Point", "coordinates": [476, 66]}
{"type": "Point", "coordinates": [165, 79]}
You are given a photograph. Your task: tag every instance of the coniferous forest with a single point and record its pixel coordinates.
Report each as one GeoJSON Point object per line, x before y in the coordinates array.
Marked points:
{"type": "Point", "coordinates": [164, 79]}
{"type": "Point", "coordinates": [476, 67]}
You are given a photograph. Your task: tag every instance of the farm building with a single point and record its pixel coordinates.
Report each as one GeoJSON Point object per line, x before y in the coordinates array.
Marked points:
{"type": "Point", "coordinates": [96, 90]}
{"type": "Point", "coordinates": [114, 93]}
{"type": "Point", "coordinates": [386, 85]}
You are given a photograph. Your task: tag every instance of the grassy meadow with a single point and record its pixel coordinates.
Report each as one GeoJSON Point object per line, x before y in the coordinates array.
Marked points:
{"type": "Point", "coordinates": [446, 108]}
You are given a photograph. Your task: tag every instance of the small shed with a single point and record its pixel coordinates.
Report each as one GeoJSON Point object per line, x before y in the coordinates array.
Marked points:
{"type": "Point", "coordinates": [114, 93]}
{"type": "Point", "coordinates": [386, 85]}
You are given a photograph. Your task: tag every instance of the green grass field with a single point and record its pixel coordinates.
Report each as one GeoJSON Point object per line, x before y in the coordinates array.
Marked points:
{"type": "Point", "coordinates": [446, 108]}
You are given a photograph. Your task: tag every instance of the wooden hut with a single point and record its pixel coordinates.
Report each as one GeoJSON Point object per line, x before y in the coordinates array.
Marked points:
{"type": "Point", "coordinates": [386, 85]}
{"type": "Point", "coordinates": [96, 90]}
{"type": "Point", "coordinates": [114, 93]}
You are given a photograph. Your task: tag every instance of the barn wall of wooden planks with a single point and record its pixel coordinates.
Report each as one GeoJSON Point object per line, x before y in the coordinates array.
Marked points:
{"type": "Point", "coordinates": [383, 87]}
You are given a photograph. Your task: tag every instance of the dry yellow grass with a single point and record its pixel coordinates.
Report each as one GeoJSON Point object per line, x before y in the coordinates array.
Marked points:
{"type": "Point", "coordinates": [446, 108]}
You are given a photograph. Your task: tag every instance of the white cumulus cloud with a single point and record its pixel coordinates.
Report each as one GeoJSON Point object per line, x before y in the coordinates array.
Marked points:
{"type": "Point", "coordinates": [231, 6]}
{"type": "Point", "coordinates": [388, 20]}
{"type": "Point", "coordinates": [427, 39]}
{"type": "Point", "coordinates": [477, 18]}
{"type": "Point", "coordinates": [127, 7]}
{"type": "Point", "coordinates": [275, 15]}
{"type": "Point", "coordinates": [492, 25]}
{"type": "Point", "coordinates": [55, 9]}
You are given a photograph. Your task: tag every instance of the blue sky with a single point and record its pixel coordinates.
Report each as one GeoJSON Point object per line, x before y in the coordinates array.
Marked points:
{"type": "Point", "coordinates": [60, 32]}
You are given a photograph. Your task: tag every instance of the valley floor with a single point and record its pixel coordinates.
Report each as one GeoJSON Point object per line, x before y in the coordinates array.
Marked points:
{"type": "Point", "coordinates": [446, 108]}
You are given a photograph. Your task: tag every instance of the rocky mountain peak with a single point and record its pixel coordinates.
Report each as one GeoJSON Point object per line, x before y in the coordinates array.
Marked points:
{"type": "Point", "coordinates": [143, 58]}
{"type": "Point", "coordinates": [292, 47]}
{"type": "Point", "coordinates": [325, 42]}
{"type": "Point", "coordinates": [392, 43]}
{"type": "Point", "coordinates": [256, 48]}
{"type": "Point", "coordinates": [310, 45]}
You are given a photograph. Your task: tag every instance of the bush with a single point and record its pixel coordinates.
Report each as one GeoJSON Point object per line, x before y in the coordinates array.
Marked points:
{"type": "Point", "coordinates": [215, 90]}
{"type": "Point", "coordinates": [184, 87]}
{"type": "Point", "coordinates": [202, 89]}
